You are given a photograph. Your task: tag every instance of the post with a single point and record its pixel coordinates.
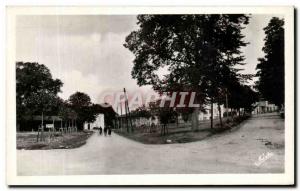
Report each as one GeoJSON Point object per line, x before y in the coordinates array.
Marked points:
{"type": "Point", "coordinates": [212, 113]}
{"type": "Point", "coordinates": [75, 125]}
{"type": "Point", "coordinates": [220, 115]}
{"type": "Point", "coordinates": [69, 127]}
{"type": "Point", "coordinates": [121, 116]}
{"type": "Point", "coordinates": [226, 103]}
{"type": "Point", "coordinates": [176, 120]}
{"type": "Point", "coordinates": [127, 108]}
{"type": "Point", "coordinates": [61, 128]}
{"type": "Point", "coordinates": [130, 120]}
{"type": "Point", "coordinates": [195, 121]}
{"type": "Point", "coordinates": [126, 119]}
{"type": "Point", "coordinates": [42, 130]}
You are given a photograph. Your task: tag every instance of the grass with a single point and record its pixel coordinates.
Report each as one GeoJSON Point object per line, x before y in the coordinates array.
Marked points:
{"type": "Point", "coordinates": [28, 140]}
{"type": "Point", "coordinates": [182, 134]}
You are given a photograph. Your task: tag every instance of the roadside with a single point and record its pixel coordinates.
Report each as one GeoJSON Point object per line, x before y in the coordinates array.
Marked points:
{"type": "Point", "coordinates": [27, 140]}
{"type": "Point", "coordinates": [182, 134]}
{"type": "Point", "coordinates": [240, 150]}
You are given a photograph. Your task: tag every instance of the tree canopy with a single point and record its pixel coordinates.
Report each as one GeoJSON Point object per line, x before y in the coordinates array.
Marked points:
{"type": "Point", "coordinates": [199, 52]}
{"type": "Point", "coordinates": [271, 66]}
{"type": "Point", "coordinates": [195, 49]}
{"type": "Point", "coordinates": [141, 112]}
{"type": "Point", "coordinates": [36, 90]}
{"type": "Point", "coordinates": [243, 97]}
{"type": "Point", "coordinates": [81, 103]}
{"type": "Point", "coordinates": [37, 94]}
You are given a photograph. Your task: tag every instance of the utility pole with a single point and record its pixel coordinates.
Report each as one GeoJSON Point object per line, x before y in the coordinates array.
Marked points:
{"type": "Point", "coordinates": [212, 113]}
{"type": "Point", "coordinates": [127, 110]}
{"type": "Point", "coordinates": [121, 116]}
{"type": "Point", "coordinates": [126, 119]}
{"type": "Point", "coordinates": [117, 120]}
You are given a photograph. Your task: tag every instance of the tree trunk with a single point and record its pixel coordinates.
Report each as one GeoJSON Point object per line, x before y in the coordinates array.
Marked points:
{"type": "Point", "coordinates": [212, 113]}
{"type": "Point", "coordinates": [220, 115]}
{"type": "Point", "coordinates": [42, 130]}
{"type": "Point", "coordinates": [163, 129]}
{"type": "Point", "coordinates": [195, 121]}
{"type": "Point", "coordinates": [177, 121]}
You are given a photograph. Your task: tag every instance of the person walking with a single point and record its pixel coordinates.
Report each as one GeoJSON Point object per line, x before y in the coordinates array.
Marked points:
{"type": "Point", "coordinates": [100, 130]}
{"type": "Point", "coordinates": [109, 131]}
{"type": "Point", "coordinates": [105, 131]}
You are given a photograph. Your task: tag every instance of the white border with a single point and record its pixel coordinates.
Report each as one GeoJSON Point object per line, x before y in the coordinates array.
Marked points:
{"type": "Point", "coordinates": [194, 179]}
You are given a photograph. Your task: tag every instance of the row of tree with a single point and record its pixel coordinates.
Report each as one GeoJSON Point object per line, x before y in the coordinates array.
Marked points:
{"type": "Point", "coordinates": [271, 66]}
{"type": "Point", "coordinates": [37, 94]}
{"type": "Point", "coordinates": [201, 54]}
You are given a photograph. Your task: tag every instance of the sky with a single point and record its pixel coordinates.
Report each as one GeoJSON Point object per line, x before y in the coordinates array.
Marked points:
{"type": "Point", "coordinates": [86, 52]}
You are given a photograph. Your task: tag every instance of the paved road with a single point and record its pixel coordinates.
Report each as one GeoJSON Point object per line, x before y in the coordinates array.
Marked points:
{"type": "Point", "coordinates": [232, 152]}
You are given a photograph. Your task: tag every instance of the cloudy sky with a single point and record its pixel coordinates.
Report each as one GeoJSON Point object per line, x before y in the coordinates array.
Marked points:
{"type": "Point", "coordinates": [87, 53]}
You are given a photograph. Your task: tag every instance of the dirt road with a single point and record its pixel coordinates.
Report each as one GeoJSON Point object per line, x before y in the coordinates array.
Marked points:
{"type": "Point", "coordinates": [256, 147]}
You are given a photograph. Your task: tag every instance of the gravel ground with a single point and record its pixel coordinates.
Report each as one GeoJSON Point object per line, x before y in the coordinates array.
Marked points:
{"type": "Point", "coordinates": [231, 152]}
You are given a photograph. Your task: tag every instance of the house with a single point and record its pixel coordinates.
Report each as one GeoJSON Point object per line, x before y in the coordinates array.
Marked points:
{"type": "Point", "coordinates": [206, 115]}
{"type": "Point", "coordinates": [264, 107]}
{"type": "Point", "coordinates": [140, 121]}
{"type": "Point", "coordinates": [99, 122]}
{"type": "Point", "coordinates": [137, 121]}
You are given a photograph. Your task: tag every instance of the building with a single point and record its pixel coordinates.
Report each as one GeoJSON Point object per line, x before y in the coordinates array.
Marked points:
{"type": "Point", "coordinates": [99, 122]}
{"type": "Point", "coordinates": [206, 115]}
{"type": "Point", "coordinates": [143, 121]}
{"type": "Point", "coordinates": [137, 121]}
{"type": "Point", "coordinates": [264, 107]}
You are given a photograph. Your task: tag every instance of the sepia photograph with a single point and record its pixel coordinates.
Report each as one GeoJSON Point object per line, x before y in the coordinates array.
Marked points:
{"type": "Point", "coordinates": [198, 96]}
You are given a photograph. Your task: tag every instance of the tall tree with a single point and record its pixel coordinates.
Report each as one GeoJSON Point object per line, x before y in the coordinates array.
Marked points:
{"type": "Point", "coordinates": [165, 114]}
{"type": "Point", "coordinates": [243, 96]}
{"type": "Point", "coordinates": [194, 49]}
{"type": "Point", "coordinates": [81, 104]}
{"type": "Point", "coordinates": [66, 113]}
{"type": "Point", "coordinates": [36, 91]}
{"type": "Point", "coordinates": [271, 66]}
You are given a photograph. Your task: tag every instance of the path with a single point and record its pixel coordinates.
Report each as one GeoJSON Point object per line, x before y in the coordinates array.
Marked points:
{"type": "Point", "coordinates": [233, 152]}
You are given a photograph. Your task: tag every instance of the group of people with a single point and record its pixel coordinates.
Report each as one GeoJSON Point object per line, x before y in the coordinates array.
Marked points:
{"type": "Point", "coordinates": [107, 131]}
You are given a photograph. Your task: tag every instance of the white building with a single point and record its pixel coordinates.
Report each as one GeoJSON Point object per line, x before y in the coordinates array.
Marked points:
{"type": "Point", "coordinates": [142, 121]}
{"type": "Point", "coordinates": [264, 107]}
{"type": "Point", "coordinates": [139, 121]}
{"type": "Point", "coordinates": [206, 116]}
{"type": "Point", "coordinates": [99, 122]}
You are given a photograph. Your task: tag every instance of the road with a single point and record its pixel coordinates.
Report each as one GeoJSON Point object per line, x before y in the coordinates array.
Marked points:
{"type": "Point", "coordinates": [256, 147]}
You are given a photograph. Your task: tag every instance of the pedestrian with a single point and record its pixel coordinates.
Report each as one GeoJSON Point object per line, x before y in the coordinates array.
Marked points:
{"type": "Point", "coordinates": [109, 131]}
{"type": "Point", "coordinates": [100, 130]}
{"type": "Point", "coordinates": [105, 131]}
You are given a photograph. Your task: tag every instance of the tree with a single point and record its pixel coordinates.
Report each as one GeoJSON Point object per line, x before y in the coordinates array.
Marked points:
{"type": "Point", "coordinates": [165, 114]}
{"type": "Point", "coordinates": [242, 97]}
{"type": "Point", "coordinates": [82, 105]}
{"type": "Point", "coordinates": [195, 49]}
{"type": "Point", "coordinates": [87, 111]}
{"type": "Point", "coordinates": [108, 111]}
{"type": "Point", "coordinates": [36, 91]}
{"type": "Point", "coordinates": [66, 113]}
{"type": "Point", "coordinates": [271, 66]}
{"type": "Point", "coordinates": [140, 112]}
